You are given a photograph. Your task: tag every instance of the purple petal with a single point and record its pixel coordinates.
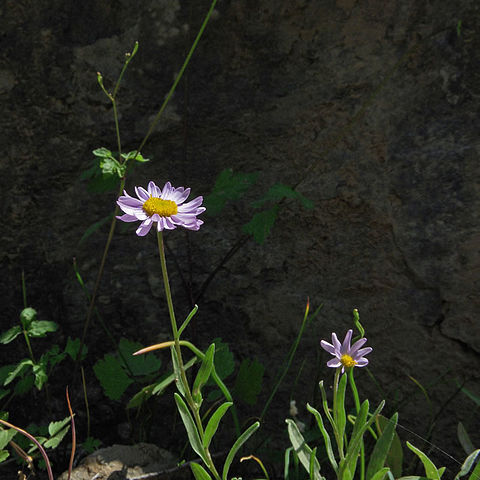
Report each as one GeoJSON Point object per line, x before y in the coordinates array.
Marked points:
{"type": "Point", "coordinates": [190, 206]}
{"type": "Point", "coordinates": [357, 345]}
{"type": "Point", "coordinates": [364, 351]}
{"type": "Point", "coordinates": [361, 362]}
{"type": "Point", "coordinates": [334, 363]}
{"type": "Point", "coordinates": [144, 227]}
{"type": "Point", "coordinates": [167, 190]}
{"type": "Point", "coordinates": [127, 218]}
{"type": "Point", "coordinates": [336, 344]}
{"type": "Point", "coordinates": [328, 347]}
{"type": "Point", "coordinates": [142, 194]}
{"type": "Point", "coordinates": [153, 190]}
{"type": "Point", "coordinates": [346, 342]}
{"type": "Point", "coordinates": [180, 195]}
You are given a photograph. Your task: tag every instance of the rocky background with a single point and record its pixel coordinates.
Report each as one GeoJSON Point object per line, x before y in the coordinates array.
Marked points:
{"type": "Point", "coordinates": [368, 107]}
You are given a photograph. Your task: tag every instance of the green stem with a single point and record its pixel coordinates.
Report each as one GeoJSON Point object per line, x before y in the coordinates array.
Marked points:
{"type": "Point", "coordinates": [356, 399]}
{"type": "Point", "coordinates": [338, 435]}
{"type": "Point", "coordinates": [179, 76]}
{"type": "Point", "coordinates": [183, 378]}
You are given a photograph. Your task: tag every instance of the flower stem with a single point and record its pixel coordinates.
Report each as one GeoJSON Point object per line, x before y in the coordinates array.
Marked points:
{"type": "Point", "coordinates": [356, 398]}
{"type": "Point", "coordinates": [337, 433]}
{"type": "Point", "coordinates": [183, 378]}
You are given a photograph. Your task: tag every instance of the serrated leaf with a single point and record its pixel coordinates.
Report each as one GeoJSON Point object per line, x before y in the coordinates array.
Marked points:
{"type": "Point", "coordinates": [102, 152]}
{"type": "Point", "coordinates": [134, 155]}
{"type": "Point", "coordinates": [39, 328]}
{"type": "Point", "coordinates": [139, 365]}
{"type": "Point", "coordinates": [228, 186]}
{"type": "Point", "coordinates": [10, 334]}
{"type": "Point", "coordinates": [40, 374]}
{"type": "Point", "coordinates": [73, 347]}
{"type": "Point", "coordinates": [112, 376]}
{"type": "Point", "coordinates": [55, 427]}
{"type": "Point", "coordinates": [278, 192]}
{"type": "Point", "coordinates": [248, 383]}
{"type": "Point", "coordinates": [261, 224]}
{"type": "Point", "coordinates": [27, 316]}
{"type": "Point", "coordinates": [17, 370]}
{"type": "Point", "coordinates": [5, 436]}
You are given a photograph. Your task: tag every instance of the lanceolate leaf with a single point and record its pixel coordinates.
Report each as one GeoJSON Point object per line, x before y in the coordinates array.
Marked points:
{"type": "Point", "coordinates": [213, 423]}
{"type": "Point", "coordinates": [199, 472]}
{"type": "Point", "coordinates": [204, 372]}
{"type": "Point", "coordinates": [236, 447]}
{"type": "Point", "coordinates": [10, 334]}
{"type": "Point", "coordinates": [192, 432]}
{"type": "Point", "coordinates": [431, 470]}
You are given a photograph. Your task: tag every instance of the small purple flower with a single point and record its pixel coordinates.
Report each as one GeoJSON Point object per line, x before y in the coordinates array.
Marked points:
{"type": "Point", "coordinates": [165, 207]}
{"type": "Point", "coordinates": [346, 356]}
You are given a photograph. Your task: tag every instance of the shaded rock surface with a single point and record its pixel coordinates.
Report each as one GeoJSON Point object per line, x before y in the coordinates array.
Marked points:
{"type": "Point", "coordinates": [369, 107]}
{"type": "Point", "coordinates": [125, 462]}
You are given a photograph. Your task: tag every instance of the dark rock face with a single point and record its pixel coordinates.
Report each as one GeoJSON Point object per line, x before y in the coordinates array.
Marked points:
{"type": "Point", "coordinates": [371, 108]}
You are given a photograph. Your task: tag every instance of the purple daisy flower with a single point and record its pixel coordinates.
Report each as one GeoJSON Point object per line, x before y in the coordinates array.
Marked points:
{"type": "Point", "coordinates": [164, 206]}
{"type": "Point", "coordinates": [346, 356]}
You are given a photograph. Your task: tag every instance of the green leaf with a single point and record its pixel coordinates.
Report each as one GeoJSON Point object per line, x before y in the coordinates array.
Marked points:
{"type": "Point", "coordinates": [223, 361]}
{"type": "Point", "coordinates": [228, 186]}
{"type": "Point", "coordinates": [261, 224]}
{"type": "Point", "coordinates": [5, 436]}
{"type": "Point", "coordinates": [248, 383]}
{"type": "Point", "coordinates": [4, 454]}
{"type": "Point", "coordinates": [40, 374]}
{"type": "Point", "coordinates": [10, 334]}
{"type": "Point", "coordinates": [19, 368]}
{"type": "Point", "coordinates": [112, 376]}
{"type": "Point", "coordinates": [431, 470]}
{"type": "Point", "coordinates": [395, 455]}
{"type": "Point", "coordinates": [24, 385]}
{"type": "Point", "coordinates": [301, 448]}
{"type": "Point", "coordinates": [176, 370]}
{"type": "Point", "coordinates": [326, 436]}
{"type": "Point", "coordinates": [203, 373]}
{"type": "Point", "coordinates": [468, 464]}
{"type": "Point", "coordinates": [475, 475]}
{"type": "Point", "coordinates": [27, 316]}
{"type": "Point", "coordinates": [94, 227]}
{"type": "Point", "coordinates": [135, 155]}
{"type": "Point", "coordinates": [73, 347]}
{"type": "Point", "coordinates": [192, 432]}
{"type": "Point", "coordinates": [102, 152]}
{"type": "Point", "coordinates": [278, 192]}
{"type": "Point", "coordinates": [139, 365]}
{"type": "Point", "coordinates": [199, 472]}
{"type": "Point", "coordinates": [339, 407]}
{"type": "Point", "coordinates": [55, 427]}
{"type": "Point", "coordinates": [236, 447]}
{"type": "Point", "coordinates": [213, 423]}
{"type": "Point", "coordinates": [91, 444]}
{"type": "Point", "coordinates": [380, 475]}
{"type": "Point", "coordinates": [381, 448]}
{"type": "Point", "coordinates": [39, 328]}
{"type": "Point", "coordinates": [57, 431]}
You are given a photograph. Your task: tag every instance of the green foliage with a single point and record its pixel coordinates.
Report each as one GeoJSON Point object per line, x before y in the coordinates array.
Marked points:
{"type": "Point", "coordinates": [104, 174]}
{"type": "Point", "coordinates": [91, 444]}
{"type": "Point", "coordinates": [116, 372]}
{"type": "Point", "coordinates": [248, 383]}
{"type": "Point", "coordinates": [228, 186]}
{"type": "Point", "coordinates": [279, 192]}
{"type": "Point", "coordinates": [261, 224]}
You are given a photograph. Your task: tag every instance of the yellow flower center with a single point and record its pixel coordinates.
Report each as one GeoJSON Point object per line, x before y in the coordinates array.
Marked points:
{"type": "Point", "coordinates": [164, 208]}
{"type": "Point", "coordinates": [347, 361]}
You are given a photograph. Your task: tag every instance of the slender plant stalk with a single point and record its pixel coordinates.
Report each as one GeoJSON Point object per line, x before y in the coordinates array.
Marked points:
{"type": "Point", "coordinates": [85, 399]}
{"type": "Point", "coordinates": [188, 395]}
{"type": "Point", "coordinates": [74, 436]}
{"type": "Point", "coordinates": [356, 398]}
{"type": "Point", "coordinates": [337, 434]}
{"type": "Point", "coordinates": [139, 149]}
